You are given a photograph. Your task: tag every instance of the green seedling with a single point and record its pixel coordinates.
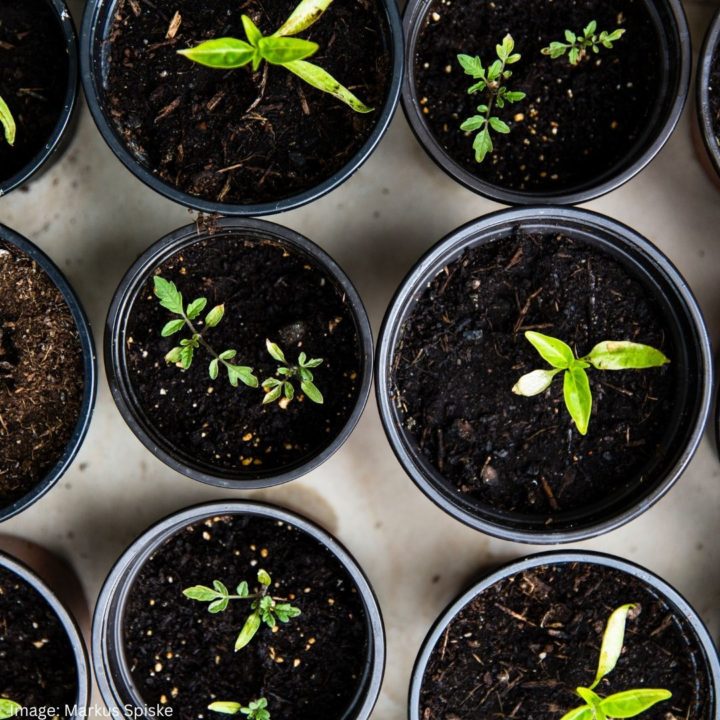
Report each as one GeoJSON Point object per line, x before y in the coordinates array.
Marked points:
{"type": "Point", "coordinates": [579, 47]}
{"type": "Point", "coordinates": [8, 122]}
{"type": "Point", "coordinates": [608, 355]}
{"type": "Point", "coordinates": [256, 710]}
{"type": "Point", "coordinates": [492, 82]}
{"type": "Point", "coordinates": [280, 48]}
{"type": "Point", "coordinates": [275, 387]}
{"type": "Point", "coordinates": [8, 708]}
{"type": "Point", "coordinates": [626, 704]}
{"type": "Point", "coordinates": [265, 608]}
{"type": "Point", "coordinates": [183, 354]}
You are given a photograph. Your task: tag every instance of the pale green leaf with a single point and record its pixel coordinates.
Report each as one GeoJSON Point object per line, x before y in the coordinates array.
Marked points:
{"type": "Point", "coordinates": [303, 16]}
{"type": "Point", "coordinates": [173, 357]}
{"type": "Point", "coordinates": [8, 122]}
{"type": "Point", "coordinates": [218, 606]}
{"type": "Point", "coordinates": [195, 308]}
{"type": "Point", "coordinates": [612, 643]}
{"type": "Point", "coordinates": [579, 713]}
{"type": "Point", "coordinates": [482, 144]}
{"type": "Point", "coordinates": [273, 394]}
{"type": "Point", "coordinates": [471, 65]}
{"type": "Point", "coordinates": [252, 32]}
{"type": "Point", "coordinates": [590, 29]}
{"type": "Point", "coordinates": [223, 53]}
{"type": "Point", "coordinates": [275, 352]}
{"type": "Point", "coordinates": [228, 354]}
{"type": "Point", "coordinates": [243, 590]}
{"type": "Point", "coordinates": [578, 398]}
{"type": "Point", "coordinates": [499, 126]}
{"type": "Point", "coordinates": [252, 625]}
{"type": "Point", "coordinates": [473, 123]}
{"type": "Point", "coordinates": [281, 50]}
{"type": "Point", "coordinates": [241, 374]}
{"type": "Point", "coordinates": [554, 351]}
{"type": "Point", "coordinates": [311, 392]}
{"type": "Point", "coordinates": [313, 363]}
{"type": "Point", "coordinates": [173, 327]}
{"type": "Point", "coordinates": [264, 578]}
{"type": "Point", "coordinates": [226, 708]}
{"type": "Point", "coordinates": [201, 593]}
{"type": "Point", "coordinates": [214, 369]}
{"type": "Point", "coordinates": [625, 355]}
{"type": "Point", "coordinates": [168, 294]}
{"type": "Point", "coordinates": [215, 316]}
{"type": "Point", "coordinates": [630, 703]}
{"type": "Point", "coordinates": [534, 382]}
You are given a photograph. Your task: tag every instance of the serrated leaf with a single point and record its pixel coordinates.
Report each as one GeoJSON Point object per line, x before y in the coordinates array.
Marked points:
{"type": "Point", "coordinates": [195, 308]}
{"type": "Point", "coordinates": [226, 708]}
{"type": "Point", "coordinates": [201, 593]}
{"type": "Point", "coordinates": [275, 352]}
{"type": "Point", "coordinates": [215, 316]}
{"type": "Point", "coordinates": [553, 351]}
{"type": "Point", "coordinates": [631, 703]}
{"type": "Point", "coordinates": [280, 50]}
{"type": "Point", "coordinates": [214, 369]}
{"type": "Point", "coordinates": [612, 643]}
{"type": "Point", "coordinates": [625, 355]}
{"type": "Point", "coordinates": [303, 16]}
{"type": "Point", "coordinates": [578, 398]}
{"type": "Point", "coordinates": [482, 144]}
{"type": "Point", "coordinates": [252, 625]}
{"type": "Point", "coordinates": [172, 327]}
{"type": "Point", "coordinates": [241, 374]}
{"type": "Point", "coordinates": [10, 131]}
{"type": "Point", "coordinates": [168, 294]}
{"type": "Point", "coordinates": [311, 392]}
{"type": "Point", "coordinates": [222, 53]}
{"type": "Point", "coordinates": [499, 126]}
{"type": "Point", "coordinates": [471, 65]}
{"type": "Point", "coordinates": [534, 382]}
{"type": "Point", "coordinates": [473, 123]}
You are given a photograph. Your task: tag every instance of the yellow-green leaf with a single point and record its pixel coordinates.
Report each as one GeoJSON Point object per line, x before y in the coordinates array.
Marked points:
{"type": "Point", "coordinates": [252, 625]}
{"type": "Point", "coordinates": [252, 32]}
{"type": "Point", "coordinates": [579, 713]}
{"type": "Point", "coordinates": [578, 398]}
{"type": "Point", "coordinates": [8, 122]}
{"type": "Point", "coordinates": [303, 16]}
{"type": "Point", "coordinates": [552, 350]}
{"type": "Point", "coordinates": [227, 708]}
{"type": "Point", "coordinates": [612, 643]}
{"type": "Point", "coordinates": [8, 708]}
{"type": "Point", "coordinates": [224, 53]}
{"type": "Point", "coordinates": [625, 355]}
{"type": "Point", "coordinates": [280, 50]}
{"type": "Point", "coordinates": [630, 703]}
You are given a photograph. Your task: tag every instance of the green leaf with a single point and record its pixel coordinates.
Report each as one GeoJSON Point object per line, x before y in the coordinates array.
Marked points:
{"type": "Point", "coordinates": [275, 352]}
{"type": "Point", "coordinates": [554, 351]}
{"type": "Point", "coordinates": [252, 32]}
{"type": "Point", "coordinates": [273, 395]}
{"type": "Point", "coordinates": [173, 327]}
{"type": "Point", "coordinates": [228, 354]}
{"type": "Point", "coordinates": [580, 713]}
{"type": "Point", "coordinates": [482, 144]}
{"type": "Point", "coordinates": [186, 356]}
{"type": "Point", "coordinates": [8, 122]}
{"type": "Point", "coordinates": [471, 65]}
{"type": "Point", "coordinates": [226, 708]}
{"type": "Point", "coordinates": [574, 56]}
{"type": "Point", "coordinates": [630, 703]}
{"type": "Point", "coordinates": [590, 29]}
{"type": "Point", "coordinates": [473, 123]}
{"type": "Point", "coordinates": [315, 362]}
{"type": "Point", "coordinates": [218, 606]}
{"type": "Point", "coordinates": [612, 643]}
{"type": "Point", "coordinates": [241, 373]}
{"type": "Point", "coordinates": [280, 50]}
{"type": "Point", "coordinates": [477, 87]}
{"type": "Point", "coordinates": [578, 398]}
{"type": "Point", "coordinates": [322, 80]}
{"type": "Point", "coordinates": [214, 317]}
{"type": "Point", "coordinates": [514, 96]}
{"type": "Point", "coordinates": [504, 51]}
{"type": "Point", "coordinates": [168, 294]}
{"type": "Point", "coordinates": [223, 53]}
{"type": "Point", "coordinates": [201, 593]}
{"type": "Point", "coordinates": [220, 587]}
{"type": "Point", "coordinates": [252, 625]}
{"type": "Point", "coordinates": [311, 392]}
{"type": "Point", "coordinates": [625, 355]}
{"type": "Point", "coordinates": [264, 578]}
{"type": "Point", "coordinates": [303, 16]}
{"type": "Point", "coordinates": [285, 612]}
{"type": "Point", "coordinates": [243, 590]}
{"type": "Point", "coordinates": [590, 697]}
{"type": "Point", "coordinates": [535, 382]}
{"type": "Point", "coordinates": [305, 374]}
{"type": "Point", "coordinates": [570, 36]}
{"type": "Point", "coordinates": [289, 390]}
{"type": "Point", "coordinates": [214, 369]}
{"type": "Point", "coordinates": [494, 71]}
{"type": "Point", "coordinates": [195, 308]}
{"type": "Point", "coordinates": [173, 357]}
{"type": "Point", "coordinates": [499, 126]}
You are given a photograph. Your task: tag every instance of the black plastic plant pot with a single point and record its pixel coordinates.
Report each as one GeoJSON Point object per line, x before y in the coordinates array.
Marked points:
{"type": "Point", "coordinates": [708, 94]}
{"type": "Point", "coordinates": [274, 284]}
{"type": "Point", "coordinates": [549, 611]}
{"type": "Point", "coordinates": [453, 345]}
{"type": "Point", "coordinates": [46, 117]}
{"type": "Point", "coordinates": [76, 364]}
{"type": "Point", "coordinates": [327, 662]}
{"type": "Point", "coordinates": [32, 611]}
{"type": "Point", "coordinates": [581, 131]}
{"type": "Point", "coordinates": [250, 177]}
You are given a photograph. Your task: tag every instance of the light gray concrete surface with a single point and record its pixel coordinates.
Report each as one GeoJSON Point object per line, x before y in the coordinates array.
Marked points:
{"type": "Point", "coordinates": [94, 218]}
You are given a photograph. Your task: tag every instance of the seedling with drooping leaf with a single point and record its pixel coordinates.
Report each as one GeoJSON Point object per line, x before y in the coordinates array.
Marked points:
{"type": "Point", "coordinates": [275, 387]}
{"type": "Point", "coordinates": [277, 49]}
{"type": "Point", "coordinates": [490, 81]}
{"type": "Point", "coordinates": [625, 704]}
{"type": "Point", "coordinates": [265, 608]}
{"type": "Point", "coordinates": [256, 710]}
{"type": "Point", "coordinates": [8, 708]}
{"type": "Point", "coordinates": [8, 122]}
{"type": "Point", "coordinates": [607, 355]}
{"type": "Point", "coordinates": [579, 47]}
{"type": "Point", "coordinates": [183, 354]}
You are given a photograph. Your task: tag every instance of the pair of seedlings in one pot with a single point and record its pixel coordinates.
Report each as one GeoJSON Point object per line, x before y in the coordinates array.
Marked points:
{"type": "Point", "coordinates": [265, 609]}
{"type": "Point", "coordinates": [279, 388]}
{"type": "Point", "coordinates": [492, 81]}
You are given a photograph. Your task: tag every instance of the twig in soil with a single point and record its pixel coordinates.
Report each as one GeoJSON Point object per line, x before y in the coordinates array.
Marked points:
{"type": "Point", "coordinates": [174, 26]}
{"type": "Point", "coordinates": [256, 710]}
{"type": "Point", "coordinates": [275, 387]}
{"type": "Point", "coordinates": [578, 47]}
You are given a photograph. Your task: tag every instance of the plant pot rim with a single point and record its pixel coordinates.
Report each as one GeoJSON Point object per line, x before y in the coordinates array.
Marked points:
{"type": "Point", "coordinates": [52, 144]}
{"type": "Point", "coordinates": [702, 92]}
{"type": "Point", "coordinates": [117, 692]}
{"type": "Point", "coordinates": [681, 606]}
{"type": "Point", "coordinates": [415, 11]}
{"type": "Point", "coordinates": [443, 252]}
{"type": "Point", "coordinates": [68, 623]}
{"type": "Point", "coordinates": [87, 346]}
{"type": "Point", "coordinates": [120, 385]}
{"type": "Point", "coordinates": [89, 71]}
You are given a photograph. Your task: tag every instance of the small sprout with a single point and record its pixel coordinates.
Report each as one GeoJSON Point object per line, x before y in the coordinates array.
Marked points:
{"type": "Point", "coordinates": [8, 122]}
{"type": "Point", "coordinates": [256, 710]}
{"type": "Point", "coordinates": [265, 608]}
{"type": "Point", "coordinates": [490, 81]}
{"type": "Point", "coordinates": [276, 387]}
{"type": "Point", "coordinates": [626, 704]}
{"type": "Point", "coordinates": [277, 49]}
{"type": "Point", "coordinates": [578, 47]}
{"type": "Point", "coordinates": [8, 708]}
{"type": "Point", "coordinates": [183, 354]}
{"type": "Point", "coordinates": [608, 355]}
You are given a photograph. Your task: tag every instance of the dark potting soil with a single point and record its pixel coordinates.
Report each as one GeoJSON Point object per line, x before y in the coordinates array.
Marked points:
{"type": "Point", "coordinates": [522, 646]}
{"type": "Point", "coordinates": [41, 374]}
{"type": "Point", "coordinates": [238, 136]}
{"type": "Point", "coordinates": [268, 292]}
{"type": "Point", "coordinates": [463, 348]}
{"type": "Point", "coordinates": [182, 656]}
{"type": "Point", "coordinates": [33, 78]}
{"type": "Point", "coordinates": [37, 660]}
{"type": "Point", "coordinates": [576, 123]}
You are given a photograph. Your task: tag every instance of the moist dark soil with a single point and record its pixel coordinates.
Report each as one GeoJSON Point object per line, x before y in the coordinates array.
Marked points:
{"type": "Point", "coordinates": [576, 123]}
{"type": "Point", "coordinates": [268, 292]}
{"type": "Point", "coordinates": [182, 656]}
{"type": "Point", "coordinates": [238, 136]}
{"type": "Point", "coordinates": [463, 348]}
{"type": "Point", "coordinates": [38, 665]}
{"type": "Point", "coordinates": [41, 374]}
{"type": "Point", "coordinates": [33, 78]}
{"type": "Point", "coordinates": [522, 646]}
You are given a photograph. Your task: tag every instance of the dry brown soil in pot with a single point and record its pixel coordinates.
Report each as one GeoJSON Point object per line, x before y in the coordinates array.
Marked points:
{"type": "Point", "coordinates": [38, 665]}
{"type": "Point", "coordinates": [521, 647]}
{"type": "Point", "coordinates": [41, 374]}
{"type": "Point", "coordinates": [463, 348]}
{"type": "Point", "coordinates": [576, 123]}
{"type": "Point", "coordinates": [237, 136]}
{"type": "Point", "coordinates": [182, 656]}
{"type": "Point", "coordinates": [33, 78]}
{"type": "Point", "coordinates": [269, 291]}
